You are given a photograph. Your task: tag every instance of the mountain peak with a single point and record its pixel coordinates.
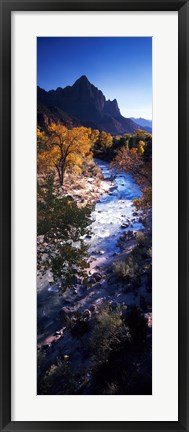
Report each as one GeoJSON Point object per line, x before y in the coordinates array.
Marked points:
{"type": "Point", "coordinates": [84, 101]}
{"type": "Point", "coordinates": [82, 79]}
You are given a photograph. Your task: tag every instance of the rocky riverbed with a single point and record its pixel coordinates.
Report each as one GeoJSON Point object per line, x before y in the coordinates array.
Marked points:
{"type": "Point", "coordinates": [114, 230]}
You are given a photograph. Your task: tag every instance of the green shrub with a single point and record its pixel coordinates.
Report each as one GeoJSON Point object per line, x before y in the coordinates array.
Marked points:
{"type": "Point", "coordinates": [121, 269]}
{"type": "Point", "coordinates": [140, 238]}
{"type": "Point", "coordinates": [107, 333]}
{"type": "Point", "coordinates": [128, 268]}
{"type": "Point", "coordinates": [58, 379]}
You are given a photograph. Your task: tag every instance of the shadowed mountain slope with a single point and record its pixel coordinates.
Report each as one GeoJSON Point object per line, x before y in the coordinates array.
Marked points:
{"type": "Point", "coordinates": [84, 103]}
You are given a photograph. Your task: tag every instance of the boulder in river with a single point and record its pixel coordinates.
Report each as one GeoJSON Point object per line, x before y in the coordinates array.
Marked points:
{"type": "Point", "coordinates": [97, 276]}
{"type": "Point", "coordinates": [66, 357]}
{"type": "Point", "coordinates": [92, 308]}
{"type": "Point", "coordinates": [59, 332]}
{"type": "Point", "coordinates": [122, 238]}
{"type": "Point", "coordinates": [87, 314]}
{"type": "Point", "coordinates": [124, 225]}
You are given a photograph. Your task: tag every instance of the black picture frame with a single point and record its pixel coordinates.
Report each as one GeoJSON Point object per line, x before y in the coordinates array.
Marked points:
{"type": "Point", "coordinates": [182, 6]}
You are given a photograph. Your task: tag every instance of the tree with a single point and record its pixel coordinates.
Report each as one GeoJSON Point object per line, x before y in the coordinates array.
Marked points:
{"type": "Point", "coordinates": [132, 161]}
{"type": "Point", "coordinates": [103, 145]}
{"type": "Point", "coordinates": [60, 148]}
{"type": "Point", "coordinates": [140, 149]}
{"type": "Point", "coordinates": [62, 225]}
{"type": "Point", "coordinates": [105, 139]}
{"type": "Point", "coordinates": [145, 202]}
{"type": "Point", "coordinates": [138, 162]}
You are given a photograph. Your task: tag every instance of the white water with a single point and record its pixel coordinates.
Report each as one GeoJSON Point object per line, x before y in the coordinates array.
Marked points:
{"type": "Point", "coordinates": [111, 211]}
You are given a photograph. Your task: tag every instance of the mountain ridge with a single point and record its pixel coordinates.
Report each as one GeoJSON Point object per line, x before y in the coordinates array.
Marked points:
{"type": "Point", "coordinates": [143, 122]}
{"type": "Point", "coordinates": [86, 103]}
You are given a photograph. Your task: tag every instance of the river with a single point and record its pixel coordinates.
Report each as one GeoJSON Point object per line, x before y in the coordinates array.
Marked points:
{"type": "Point", "coordinates": [113, 213]}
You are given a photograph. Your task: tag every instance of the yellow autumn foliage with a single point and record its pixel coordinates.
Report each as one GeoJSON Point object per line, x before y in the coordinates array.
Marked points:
{"type": "Point", "coordinates": [63, 148]}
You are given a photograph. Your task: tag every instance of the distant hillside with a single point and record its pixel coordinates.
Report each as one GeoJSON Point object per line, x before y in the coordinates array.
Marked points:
{"type": "Point", "coordinates": [147, 124]}
{"type": "Point", "coordinates": [49, 114]}
{"type": "Point", "coordinates": [84, 103]}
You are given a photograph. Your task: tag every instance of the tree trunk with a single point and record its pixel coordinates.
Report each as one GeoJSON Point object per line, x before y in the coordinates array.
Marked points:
{"type": "Point", "coordinates": [61, 178]}
{"type": "Point", "coordinates": [60, 169]}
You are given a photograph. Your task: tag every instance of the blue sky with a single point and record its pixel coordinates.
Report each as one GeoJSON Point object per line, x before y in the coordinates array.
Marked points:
{"type": "Point", "coordinates": [119, 66]}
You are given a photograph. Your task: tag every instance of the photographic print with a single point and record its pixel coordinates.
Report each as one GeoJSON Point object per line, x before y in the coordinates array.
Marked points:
{"type": "Point", "coordinates": [94, 215]}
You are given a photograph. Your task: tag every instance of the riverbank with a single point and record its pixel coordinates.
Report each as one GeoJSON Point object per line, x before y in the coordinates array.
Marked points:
{"type": "Point", "coordinates": [87, 188]}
